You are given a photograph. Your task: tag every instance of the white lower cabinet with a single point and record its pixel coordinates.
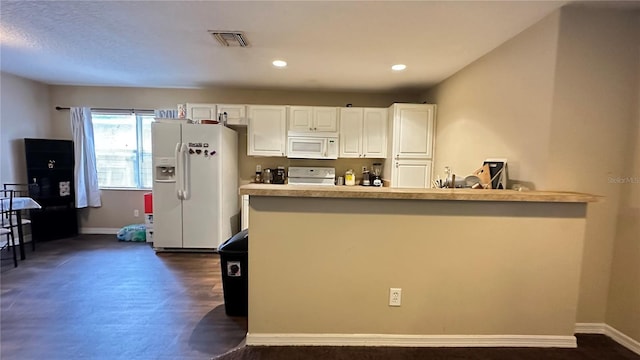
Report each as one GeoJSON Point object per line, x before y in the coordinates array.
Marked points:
{"type": "Point", "coordinates": [267, 130]}
{"type": "Point", "coordinates": [411, 173]}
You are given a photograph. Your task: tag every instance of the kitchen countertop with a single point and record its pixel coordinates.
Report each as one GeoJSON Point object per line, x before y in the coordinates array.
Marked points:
{"type": "Point", "coordinates": [369, 192]}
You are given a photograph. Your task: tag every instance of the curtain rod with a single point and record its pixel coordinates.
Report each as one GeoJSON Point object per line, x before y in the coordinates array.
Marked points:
{"type": "Point", "coordinates": [104, 109]}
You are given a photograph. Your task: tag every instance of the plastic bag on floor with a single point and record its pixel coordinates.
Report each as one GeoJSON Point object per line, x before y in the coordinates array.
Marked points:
{"type": "Point", "coordinates": [135, 232]}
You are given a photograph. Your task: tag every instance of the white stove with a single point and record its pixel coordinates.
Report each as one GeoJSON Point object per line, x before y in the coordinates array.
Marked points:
{"type": "Point", "coordinates": [301, 175]}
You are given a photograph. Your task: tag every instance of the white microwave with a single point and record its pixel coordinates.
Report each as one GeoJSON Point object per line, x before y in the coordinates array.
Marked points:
{"type": "Point", "coordinates": [312, 145]}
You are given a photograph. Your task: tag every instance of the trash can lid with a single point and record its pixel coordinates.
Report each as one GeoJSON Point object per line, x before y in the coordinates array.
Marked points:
{"type": "Point", "coordinates": [238, 243]}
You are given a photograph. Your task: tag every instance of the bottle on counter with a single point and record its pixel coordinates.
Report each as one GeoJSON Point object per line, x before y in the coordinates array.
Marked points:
{"type": "Point", "coordinates": [349, 178]}
{"type": "Point", "coordinates": [258, 178]}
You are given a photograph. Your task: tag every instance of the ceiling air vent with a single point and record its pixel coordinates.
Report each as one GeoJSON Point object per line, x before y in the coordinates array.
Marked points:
{"type": "Point", "coordinates": [229, 38]}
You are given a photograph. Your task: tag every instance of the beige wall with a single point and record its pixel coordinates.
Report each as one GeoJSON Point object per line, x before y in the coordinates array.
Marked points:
{"type": "Point", "coordinates": [623, 306]}
{"type": "Point", "coordinates": [593, 110]}
{"type": "Point", "coordinates": [118, 206]}
{"type": "Point", "coordinates": [557, 101]}
{"type": "Point", "coordinates": [24, 113]}
{"type": "Point", "coordinates": [499, 106]}
{"type": "Point", "coordinates": [323, 266]}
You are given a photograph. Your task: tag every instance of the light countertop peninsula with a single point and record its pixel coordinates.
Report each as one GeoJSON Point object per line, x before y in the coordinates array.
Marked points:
{"type": "Point", "coordinates": [474, 266]}
{"type": "Point", "coordinates": [370, 192]}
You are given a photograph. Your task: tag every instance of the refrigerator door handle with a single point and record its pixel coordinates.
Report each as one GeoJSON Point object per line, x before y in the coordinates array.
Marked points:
{"type": "Point", "coordinates": [186, 170]}
{"type": "Point", "coordinates": [178, 156]}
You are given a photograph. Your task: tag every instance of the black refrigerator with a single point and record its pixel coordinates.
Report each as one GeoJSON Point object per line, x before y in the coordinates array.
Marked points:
{"type": "Point", "coordinates": [50, 165]}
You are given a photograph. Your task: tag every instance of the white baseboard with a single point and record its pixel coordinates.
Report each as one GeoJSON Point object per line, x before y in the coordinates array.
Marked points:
{"type": "Point", "coordinates": [610, 331]}
{"type": "Point", "coordinates": [411, 340]}
{"type": "Point", "coordinates": [97, 230]}
{"type": "Point", "coordinates": [623, 339]}
{"type": "Point", "coordinates": [590, 328]}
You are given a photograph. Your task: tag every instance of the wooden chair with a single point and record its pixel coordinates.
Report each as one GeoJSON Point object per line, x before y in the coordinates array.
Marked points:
{"type": "Point", "coordinates": [6, 211]}
{"type": "Point", "coordinates": [19, 220]}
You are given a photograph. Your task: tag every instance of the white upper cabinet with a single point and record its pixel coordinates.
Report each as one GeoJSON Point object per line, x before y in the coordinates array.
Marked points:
{"type": "Point", "coordinates": [236, 114]}
{"type": "Point", "coordinates": [266, 132]}
{"type": "Point", "coordinates": [351, 120]}
{"type": "Point", "coordinates": [374, 133]}
{"type": "Point", "coordinates": [363, 132]}
{"type": "Point", "coordinates": [413, 131]}
{"type": "Point", "coordinates": [313, 118]}
{"type": "Point", "coordinates": [197, 112]}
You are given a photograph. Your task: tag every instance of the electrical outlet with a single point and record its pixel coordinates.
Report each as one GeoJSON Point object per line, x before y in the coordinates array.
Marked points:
{"type": "Point", "coordinates": [395, 297]}
{"type": "Point", "coordinates": [136, 213]}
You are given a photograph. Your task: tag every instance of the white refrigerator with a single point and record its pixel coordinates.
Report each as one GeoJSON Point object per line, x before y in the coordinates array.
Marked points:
{"type": "Point", "coordinates": [195, 185]}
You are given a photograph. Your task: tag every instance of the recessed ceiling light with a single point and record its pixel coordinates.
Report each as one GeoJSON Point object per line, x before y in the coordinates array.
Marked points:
{"type": "Point", "coordinates": [398, 67]}
{"type": "Point", "coordinates": [279, 63]}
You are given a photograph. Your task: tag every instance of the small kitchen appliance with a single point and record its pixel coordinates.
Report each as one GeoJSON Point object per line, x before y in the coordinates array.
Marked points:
{"type": "Point", "coordinates": [267, 176]}
{"type": "Point", "coordinates": [366, 181]}
{"type": "Point", "coordinates": [279, 176]}
{"type": "Point", "coordinates": [375, 177]}
{"type": "Point", "coordinates": [312, 145]}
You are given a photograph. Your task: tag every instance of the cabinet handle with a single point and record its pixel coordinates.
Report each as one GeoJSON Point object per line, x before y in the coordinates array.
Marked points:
{"type": "Point", "coordinates": [397, 156]}
{"type": "Point", "coordinates": [396, 165]}
{"type": "Point", "coordinates": [365, 155]}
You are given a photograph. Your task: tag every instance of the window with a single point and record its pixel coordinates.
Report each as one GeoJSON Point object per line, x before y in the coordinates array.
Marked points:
{"type": "Point", "coordinates": [123, 148]}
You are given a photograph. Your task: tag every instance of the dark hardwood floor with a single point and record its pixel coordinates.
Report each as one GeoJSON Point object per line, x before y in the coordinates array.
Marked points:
{"type": "Point", "coordinates": [93, 297]}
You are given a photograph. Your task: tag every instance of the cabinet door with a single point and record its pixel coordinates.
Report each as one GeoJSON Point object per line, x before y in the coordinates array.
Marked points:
{"type": "Point", "coordinates": [197, 112]}
{"type": "Point", "coordinates": [351, 132]}
{"type": "Point", "coordinates": [374, 134]}
{"type": "Point", "coordinates": [301, 118]}
{"type": "Point", "coordinates": [236, 114]}
{"type": "Point", "coordinates": [325, 119]}
{"type": "Point", "coordinates": [309, 118]}
{"type": "Point", "coordinates": [411, 174]}
{"type": "Point", "coordinates": [266, 130]}
{"type": "Point", "coordinates": [413, 131]}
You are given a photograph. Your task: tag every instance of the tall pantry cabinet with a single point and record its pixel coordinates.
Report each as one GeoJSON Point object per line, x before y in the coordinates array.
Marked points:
{"type": "Point", "coordinates": [410, 150]}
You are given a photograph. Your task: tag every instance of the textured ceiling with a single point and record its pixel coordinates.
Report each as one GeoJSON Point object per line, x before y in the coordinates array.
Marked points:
{"type": "Point", "coordinates": [332, 45]}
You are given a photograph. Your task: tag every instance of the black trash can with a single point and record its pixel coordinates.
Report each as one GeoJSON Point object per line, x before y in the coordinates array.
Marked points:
{"type": "Point", "coordinates": [233, 260]}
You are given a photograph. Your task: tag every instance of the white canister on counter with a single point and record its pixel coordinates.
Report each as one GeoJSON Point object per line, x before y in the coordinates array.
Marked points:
{"type": "Point", "coordinates": [349, 178]}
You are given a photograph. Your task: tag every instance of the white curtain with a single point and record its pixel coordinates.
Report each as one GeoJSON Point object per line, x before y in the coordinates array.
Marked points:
{"type": "Point", "coordinates": [85, 172]}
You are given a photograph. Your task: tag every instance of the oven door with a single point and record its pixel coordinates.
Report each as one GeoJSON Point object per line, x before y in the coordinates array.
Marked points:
{"type": "Point", "coordinates": [307, 148]}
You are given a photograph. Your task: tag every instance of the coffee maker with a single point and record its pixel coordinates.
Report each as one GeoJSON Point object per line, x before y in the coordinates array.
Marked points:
{"type": "Point", "coordinates": [279, 175]}
{"type": "Point", "coordinates": [375, 177]}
